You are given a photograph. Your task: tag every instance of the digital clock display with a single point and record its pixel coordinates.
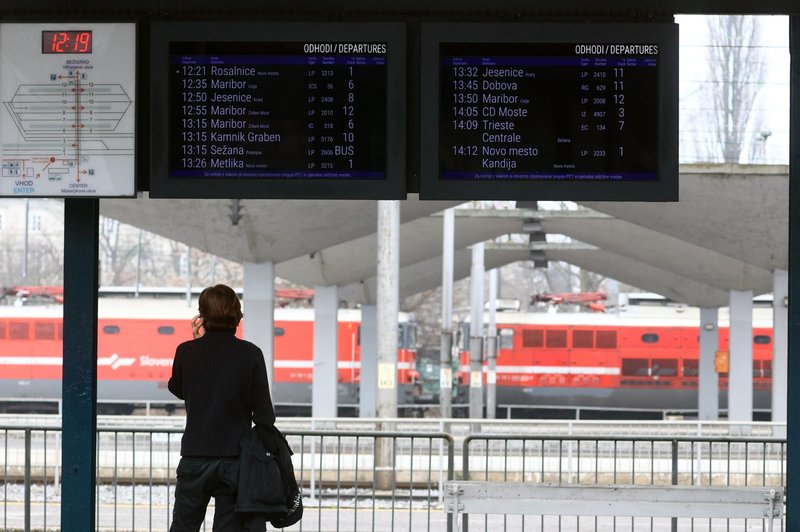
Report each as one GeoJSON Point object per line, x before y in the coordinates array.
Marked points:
{"type": "Point", "coordinates": [66, 42]}
{"type": "Point", "coordinates": [550, 111]}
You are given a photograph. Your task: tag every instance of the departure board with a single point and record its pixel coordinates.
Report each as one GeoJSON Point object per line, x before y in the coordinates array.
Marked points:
{"type": "Point", "coordinates": [576, 114]}
{"type": "Point", "coordinates": [286, 117]}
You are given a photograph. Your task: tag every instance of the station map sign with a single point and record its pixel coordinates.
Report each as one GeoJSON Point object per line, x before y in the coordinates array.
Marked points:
{"type": "Point", "coordinates": [551, 111]}
{"type": "Point", "coordinates": [67, 121]}
{"type": "Point", "coordinates": [250, 110]}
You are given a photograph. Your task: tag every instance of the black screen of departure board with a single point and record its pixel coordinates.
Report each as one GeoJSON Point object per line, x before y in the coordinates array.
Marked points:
{"type": "Point", "coordinates": [281, 118]}
{"type": "Point", "coordinates": [582, 115]}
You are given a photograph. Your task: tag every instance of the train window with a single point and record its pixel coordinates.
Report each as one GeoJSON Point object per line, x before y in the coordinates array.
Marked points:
{"type": "Point", "coordinates": [44, 331]}
{"type": "Point", "coordinates": [2, 329]}
{"type": "Point", "coordinates": [406, 336]}
{"type": "Point", "coordinates": [60, 328]}
{"type": "Point", "coordinates": [583, 339]}
{"type": "Point", "coordinates": [18, 331]}
{"type": "Point", "coordinates": [506, 338]}
{"type": "Point", "coordinates": [166, 329]}
{"type": "Point", "coordinates": [635, 367]}
{"type": "Point", "coordinates": [606, 339]}
{"type": "Point", "coordinates": [278, 331]}
{"type": "Point", "coordinates": [767, 368]}
{"type": "Point", "coordinates": [665, 367]}
{"type": "Point", "coordinates": [650, 338]}
{"type": "Point", "coordinates": [690, 368]}
{"type": "Point", "coordinates": [757, 369]}
{"type": "Point", "coordinates": [111, 329]}
{"type": "Point", "coordinates": [762, 339]}
{"type": "Point", "coordinates": [556, 339]}
{"type": "Point", "coordinates": [532, 338]}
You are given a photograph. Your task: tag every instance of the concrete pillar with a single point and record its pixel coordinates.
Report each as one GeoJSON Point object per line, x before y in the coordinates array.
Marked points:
{"type": "Point", "coordinates": [740, 376]}
{"type": "Point", "coordinates": [780, 347]}
{"type": "Point", "coordinates": [325, 377]}
{"type": "Point", "coordinates": [445, 355]}
{"type": "Point", "coordinates": [476, 333]}
{"type": "Point", "coordinates": [708, 378]}
{"type": "Point", "coordinates": [491, 348]}
{"type": "Point", "coordinates": [369, 361]}
{"type": "Point", "coordinates": [259, 310]}
{"type": "Point", "coordinates": [388, 295]}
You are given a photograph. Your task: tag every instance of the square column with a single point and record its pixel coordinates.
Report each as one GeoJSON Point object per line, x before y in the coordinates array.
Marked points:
{"type": "Point", "coordinates": [369, 361]}
{"type": "Point", "coordinates": [707, 378]}
{"type": "Point", "coordinates": [740, 376]}
{"type": "Point", "coordinates": [476, 333]}
{"type": "Point", "coordinates": [259, 311]}
{"type": "Point", "coordinates": [780, 344]}
{"type": "Point", "coordinates": [324, 400]}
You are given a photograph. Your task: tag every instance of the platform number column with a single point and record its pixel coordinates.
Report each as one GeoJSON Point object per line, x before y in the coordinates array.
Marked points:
{"type": "Point", "coordinates": [348, 108]}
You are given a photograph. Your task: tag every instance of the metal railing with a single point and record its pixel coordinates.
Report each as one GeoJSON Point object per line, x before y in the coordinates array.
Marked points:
{"type": "Point", "coordinates": [685, 461]}
{"type": "Point", "coordinates": [353, 480]}
{"type": "Point", "coordinates": [388, 479]}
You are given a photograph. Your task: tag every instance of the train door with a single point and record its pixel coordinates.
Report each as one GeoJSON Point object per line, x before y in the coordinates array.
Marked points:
{"type": "Point", "coordinates": [506, 361]}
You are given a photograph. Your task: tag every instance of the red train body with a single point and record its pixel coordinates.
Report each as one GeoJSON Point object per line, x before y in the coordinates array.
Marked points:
{"type": "Point", "coordinates": [136, 345]}
{"type": "Point", "coordinates": [641, 359]}
{"type": "Point", "coordinates": [644, 358]}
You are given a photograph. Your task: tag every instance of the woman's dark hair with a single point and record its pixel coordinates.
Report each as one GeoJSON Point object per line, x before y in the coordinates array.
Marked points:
{"type": "Point", "coordinates": [220, 308]}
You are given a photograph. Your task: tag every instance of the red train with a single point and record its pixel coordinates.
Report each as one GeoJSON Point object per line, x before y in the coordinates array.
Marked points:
{"type": "Point", "coordinates": [643, 358]}
{"type": "Point", "coordinates": [136, 344]}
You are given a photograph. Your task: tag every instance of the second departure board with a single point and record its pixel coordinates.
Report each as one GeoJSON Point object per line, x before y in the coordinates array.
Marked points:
{"type": "Point", "coordinates": [291, 117]}
{"type": "Point", "coordinates": [572, 112]}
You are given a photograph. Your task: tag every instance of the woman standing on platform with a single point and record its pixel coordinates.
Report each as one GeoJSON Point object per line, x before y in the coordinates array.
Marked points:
{"type": "Point", "coordinates": [223, 381]}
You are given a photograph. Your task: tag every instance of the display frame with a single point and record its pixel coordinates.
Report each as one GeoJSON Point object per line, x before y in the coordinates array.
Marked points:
{"type": "Point", "coordinates": [664, 188]}
{"type": "Point", "coordinates": [392, 187]}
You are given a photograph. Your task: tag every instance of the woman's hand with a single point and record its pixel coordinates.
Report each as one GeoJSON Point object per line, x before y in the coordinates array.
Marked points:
{"type": "Point", "coordinates": [197, 324]}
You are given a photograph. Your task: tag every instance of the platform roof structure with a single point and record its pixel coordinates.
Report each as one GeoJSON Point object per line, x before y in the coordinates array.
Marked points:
{"type": "Point", "coordinates": [728, 232]}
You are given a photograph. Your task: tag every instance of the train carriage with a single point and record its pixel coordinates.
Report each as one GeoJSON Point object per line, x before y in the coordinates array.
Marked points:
{"type": "Point", "coordinates": [136, 345]}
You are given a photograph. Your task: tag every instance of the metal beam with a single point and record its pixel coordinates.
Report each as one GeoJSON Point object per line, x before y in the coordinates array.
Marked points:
{"type": "Point", "coordinates": [79, 383]}
{"type": "Point", "coordinates": [458, 10]}
{"type": "Point", "coordinates": [793, 377]}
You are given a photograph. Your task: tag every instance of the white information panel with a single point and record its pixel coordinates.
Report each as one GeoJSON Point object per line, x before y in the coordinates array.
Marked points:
{"type": "Point", "coordinates": [67, 121]}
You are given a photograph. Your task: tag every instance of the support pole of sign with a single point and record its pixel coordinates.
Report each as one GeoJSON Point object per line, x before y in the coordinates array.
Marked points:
{"type": "Point", "coordinates": [388, 310]}
{"type": "Point", "coordinates": [25, 245]}
{"type": "Point", "coordinates": [79, 381]}
{"type": "Point", "coordinates": [446, 354]}
{"type": "Point", "coordinates": [476, 334]}
{"type": "Point", "coordinates": [491, 348]}
{"type": "Point", "coordinates": [780, 353]}
{"type": "Point", "coordinates": [793, 380]}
